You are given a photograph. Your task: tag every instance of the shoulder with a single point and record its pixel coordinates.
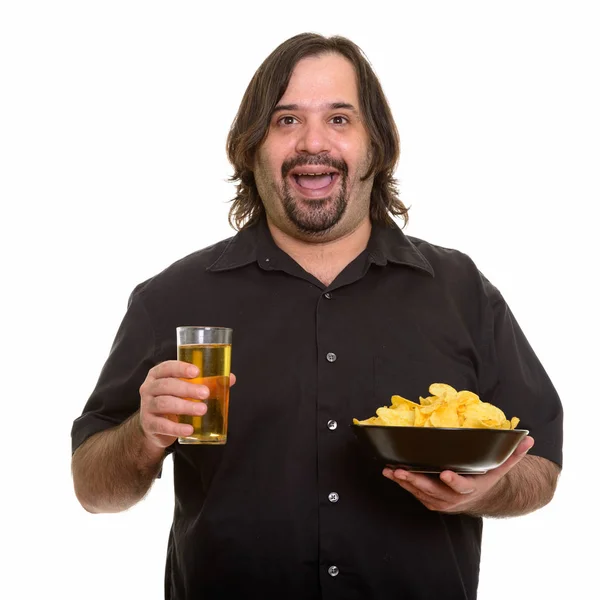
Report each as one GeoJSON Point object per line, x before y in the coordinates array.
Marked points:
{"type": "Point", "coordinates": [458, 274]}
{"type": "Point", "coordinates": [189, 270]}
{"type": "Point", "coordinates": [446, 262]}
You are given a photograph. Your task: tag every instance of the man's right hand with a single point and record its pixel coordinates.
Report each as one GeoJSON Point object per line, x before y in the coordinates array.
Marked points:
{"type": "Point", "coordinates": [164, 396]}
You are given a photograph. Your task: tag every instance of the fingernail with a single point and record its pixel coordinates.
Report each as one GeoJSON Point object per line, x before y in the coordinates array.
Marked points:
{"type": "Point", "coordinates": [192, 371]}
{"type": "Point", "coordinates": [400, 475]}
{"type": "Point", "coordinates": [387, 473]}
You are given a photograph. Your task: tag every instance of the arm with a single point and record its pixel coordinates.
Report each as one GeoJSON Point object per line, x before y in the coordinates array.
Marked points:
{"type": "Point", "coordinates": [519, 486]}
{"type": "Point", "coordinates": [527, 487]}
{"type": "Point", "coordinates": [114, 469]}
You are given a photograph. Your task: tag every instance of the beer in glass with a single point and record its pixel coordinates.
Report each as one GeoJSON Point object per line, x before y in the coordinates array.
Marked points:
{"type": "Point", "coordinates": [209, 348]}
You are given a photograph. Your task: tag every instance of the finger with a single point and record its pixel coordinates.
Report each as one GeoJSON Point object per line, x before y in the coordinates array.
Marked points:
{"type": "Point", "coordinates": [525, 446]}
{"type": "Point", "coordinates": [173, 368]}
{"type": "Point", "coordinates": [177, 387]}
{"type": "Point", "coordinates": [466, 484]}
{"type": "Point", "coordinates": [164, 426]}
{"type": "Point", "coordinates": [172, 405]}
{"type": "Point", "coordinates": [215, 385]}
{"type": "Point", "coordinates": [520, 452]}
{"type": "Point", "coordinates": [458, 483]}
{"type": "Point", "coordinates": [425, 485]}
{"type": "Point", "coordinates": [232, 379]}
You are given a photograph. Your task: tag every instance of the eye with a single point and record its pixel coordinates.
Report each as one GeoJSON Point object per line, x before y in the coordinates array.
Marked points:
{"type": "Point", "coordinates": [287, 120]}
{"type": "Point", "coordinates": [339, 120]}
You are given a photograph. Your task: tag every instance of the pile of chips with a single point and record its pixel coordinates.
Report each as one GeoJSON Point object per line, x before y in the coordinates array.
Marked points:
{"type": "Point", "coordinates": [444, 408]}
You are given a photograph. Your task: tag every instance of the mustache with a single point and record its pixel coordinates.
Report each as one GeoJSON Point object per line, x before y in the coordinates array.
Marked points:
{"type": "Point", "coordinates": [323, 160]}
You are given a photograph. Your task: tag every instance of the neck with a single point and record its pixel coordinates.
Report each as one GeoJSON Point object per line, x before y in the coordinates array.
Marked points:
{"type": "Point", "coordinates": [327, 259]}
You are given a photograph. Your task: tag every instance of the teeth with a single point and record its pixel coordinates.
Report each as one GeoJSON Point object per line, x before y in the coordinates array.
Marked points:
{"type": "Point", "coordinates": [313, 174]}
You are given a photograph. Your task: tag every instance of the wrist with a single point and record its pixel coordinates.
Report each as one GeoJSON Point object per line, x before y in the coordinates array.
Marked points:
{"type": "Point", "coordinates": [492, 503]}
{"type": "Point", "coordinates": [150, 454]}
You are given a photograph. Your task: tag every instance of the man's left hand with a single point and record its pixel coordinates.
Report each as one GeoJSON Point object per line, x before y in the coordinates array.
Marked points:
{"type": "Point", "coordinates": [453, 493]}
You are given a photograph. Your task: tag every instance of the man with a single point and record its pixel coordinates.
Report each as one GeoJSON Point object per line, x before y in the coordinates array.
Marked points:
{"type": "Point", "coordinates": [334, 310]}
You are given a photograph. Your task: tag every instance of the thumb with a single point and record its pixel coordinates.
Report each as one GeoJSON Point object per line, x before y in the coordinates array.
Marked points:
{"type": "Point", "coordinates": [522, 449]}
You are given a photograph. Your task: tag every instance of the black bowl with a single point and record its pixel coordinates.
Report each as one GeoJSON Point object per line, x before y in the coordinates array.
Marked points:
{"type": "Point", "coordinates": [436, 449]}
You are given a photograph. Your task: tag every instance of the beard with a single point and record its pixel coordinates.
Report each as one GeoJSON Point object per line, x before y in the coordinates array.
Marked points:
{"type": "Point", "coordinates": [316, 216]}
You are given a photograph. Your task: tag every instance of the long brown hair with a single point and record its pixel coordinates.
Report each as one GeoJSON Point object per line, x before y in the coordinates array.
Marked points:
{"type": "Point", "coordinates": [251, 125]}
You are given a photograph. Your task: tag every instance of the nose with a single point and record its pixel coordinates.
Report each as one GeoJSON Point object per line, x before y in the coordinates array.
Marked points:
{"type": "Point", "coordinates": [313, 138]}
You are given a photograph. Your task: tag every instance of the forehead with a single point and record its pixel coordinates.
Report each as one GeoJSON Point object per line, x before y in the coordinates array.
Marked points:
{"type": "Point", "coordinates": [322, 79]}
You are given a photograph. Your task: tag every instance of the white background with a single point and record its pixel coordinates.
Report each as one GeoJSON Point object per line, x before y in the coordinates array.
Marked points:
{"type": "Point", "coordinates": [113, 119]}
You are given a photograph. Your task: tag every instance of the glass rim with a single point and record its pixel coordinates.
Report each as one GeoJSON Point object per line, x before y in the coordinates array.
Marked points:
{"type": "Point", "coordinates": [203, 328]}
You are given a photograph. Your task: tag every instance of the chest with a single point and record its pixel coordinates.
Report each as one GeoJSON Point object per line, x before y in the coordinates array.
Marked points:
{"type": "Point", "coordinates": [298, 349]}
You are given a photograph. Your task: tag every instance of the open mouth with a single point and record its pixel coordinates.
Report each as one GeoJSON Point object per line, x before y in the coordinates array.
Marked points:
{"type": "Point", "coordinates": [313, 182]}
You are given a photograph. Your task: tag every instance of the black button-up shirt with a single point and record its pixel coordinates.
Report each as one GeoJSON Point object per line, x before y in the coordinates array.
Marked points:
{"type": "Point", "coordinates": [292, 506]}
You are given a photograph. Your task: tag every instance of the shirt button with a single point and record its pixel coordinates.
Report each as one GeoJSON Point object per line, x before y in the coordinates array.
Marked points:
{"type": "Point", "coordinates": [333, 571]}
{"type": "Point", "coordinates": [332, 424]}
{"type": "Point", "coordinates": [328, 295]}
{"type": "Point", "coordinates": [331, 357]}
{"type": "Point", "coordinates": [333, 497]}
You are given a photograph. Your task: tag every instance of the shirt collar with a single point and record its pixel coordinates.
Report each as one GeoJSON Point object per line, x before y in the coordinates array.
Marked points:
{"type": "Point", "coordinates": [255, 244]}
{"type": "Point", "coordinates": [389, 244]}
{"type": "Point", "coordinates": [252, 244]}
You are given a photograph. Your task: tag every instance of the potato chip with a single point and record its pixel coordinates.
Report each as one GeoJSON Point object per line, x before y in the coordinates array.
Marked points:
{"type": "Point", "coordinates": [369, 421]}
{"type": "Point", "coordinates": [446, 407]}
{"type": "Point", "coordinates": [391, 416]}
{"type": "Point", "coordinates": [442, 390]}
{"type": "Point", "coordinates": [466, 397]}
{"type": "Point", "coordinates": [423, 414]}
{"type": "Point", "coordinates": [399, 401]}
{"type": "Point", "coordinates": [483, 414]}
{"type": "Point", "coordinates": [445, 416]}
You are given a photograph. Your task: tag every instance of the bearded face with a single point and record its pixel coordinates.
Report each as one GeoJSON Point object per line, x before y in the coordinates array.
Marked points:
{"type": "Point", "coordinates": [308, 170]}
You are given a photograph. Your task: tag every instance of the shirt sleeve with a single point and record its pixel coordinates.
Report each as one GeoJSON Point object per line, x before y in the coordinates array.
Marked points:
{"type": "Point", "coordinates": [116, 395]}
{"type": "Point", "coordinates": [515, 380]}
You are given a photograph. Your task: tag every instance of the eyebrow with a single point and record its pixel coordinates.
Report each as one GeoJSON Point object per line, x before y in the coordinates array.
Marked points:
{"type": "Point", "coordinates": [332, 106]}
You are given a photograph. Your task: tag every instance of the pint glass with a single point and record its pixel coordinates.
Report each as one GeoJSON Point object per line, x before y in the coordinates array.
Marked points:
{"type": "Point", "coordinates": [209, 348]}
